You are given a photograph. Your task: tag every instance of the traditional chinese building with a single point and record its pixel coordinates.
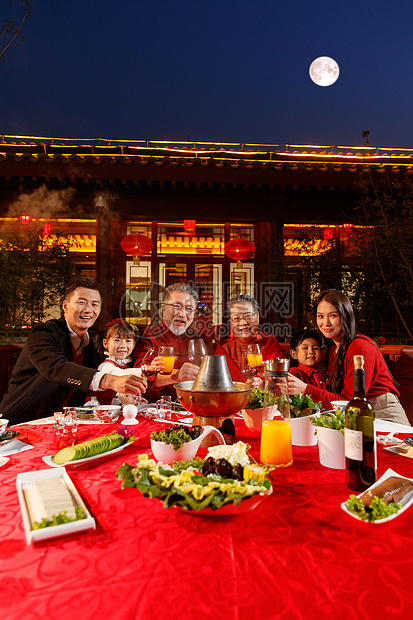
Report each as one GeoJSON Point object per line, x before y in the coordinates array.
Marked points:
{"type": "Point", "coordinates": [188, 200]}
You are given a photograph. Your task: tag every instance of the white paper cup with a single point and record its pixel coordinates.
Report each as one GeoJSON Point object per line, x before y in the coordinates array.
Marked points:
{"type": "Point", "coordinates": [302, 431]}
{"type": "Point", "coordinates": [331, 448]}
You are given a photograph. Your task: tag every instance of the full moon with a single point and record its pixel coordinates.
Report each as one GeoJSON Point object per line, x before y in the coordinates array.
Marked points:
{"type": "Point", "coordinates": [324, 71]}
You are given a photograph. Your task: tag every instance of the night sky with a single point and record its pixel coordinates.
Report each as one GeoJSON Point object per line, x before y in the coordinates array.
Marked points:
{"type": "Point", "coordinates": [221, 71]}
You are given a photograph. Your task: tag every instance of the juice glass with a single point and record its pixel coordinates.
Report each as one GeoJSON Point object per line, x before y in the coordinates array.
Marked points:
{"type": "Point", "coordinates": [276, 447]}
{"type": "Point", "coordinates": [254, 355]}
{"type": "Point", "coordinates": [167, 355]}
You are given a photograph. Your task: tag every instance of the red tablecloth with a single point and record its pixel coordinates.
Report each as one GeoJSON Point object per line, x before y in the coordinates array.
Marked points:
{"type": "Point", "coordinates": [298, 555]}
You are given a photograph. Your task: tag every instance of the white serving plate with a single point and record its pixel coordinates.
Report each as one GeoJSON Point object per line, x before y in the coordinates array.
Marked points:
{"type": "Point", "coordinates": [406, 502]}
{"type": "Point", "coordinates": [228, 510]}
{"type": "Point", "coordinates": [53, 531]}
{"type": "Point", "coordinates": [49, 459]}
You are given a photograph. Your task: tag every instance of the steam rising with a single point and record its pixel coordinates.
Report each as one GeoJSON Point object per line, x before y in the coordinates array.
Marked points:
{"type": "Point", "coordinates": [44, 203]}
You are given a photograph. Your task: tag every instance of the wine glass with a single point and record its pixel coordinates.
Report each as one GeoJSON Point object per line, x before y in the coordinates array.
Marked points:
{"type": "Point", "coordinates": [196, 350]}
{"type": "Point", "coordinates": [254, 355]}
{"type": "Point", "coordinates": [247, 370]}
{"type": "Point", "coordinates": [148, 369]}
{"type": "Point", "coordinates": [132, 399]}
{"type": "Point", "coordinates": [148, 365]}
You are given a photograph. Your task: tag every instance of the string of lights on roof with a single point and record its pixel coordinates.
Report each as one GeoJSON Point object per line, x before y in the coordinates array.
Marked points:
{"type": "Point", "coordinates": [206, 149]}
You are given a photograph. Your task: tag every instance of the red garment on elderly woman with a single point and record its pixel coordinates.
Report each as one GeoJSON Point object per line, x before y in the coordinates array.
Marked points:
{"type": "Point", "coordinates": [235, 348]}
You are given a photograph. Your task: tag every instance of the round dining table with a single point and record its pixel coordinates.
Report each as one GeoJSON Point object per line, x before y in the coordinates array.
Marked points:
{"type": "Point", "coordinates": [296, 555]}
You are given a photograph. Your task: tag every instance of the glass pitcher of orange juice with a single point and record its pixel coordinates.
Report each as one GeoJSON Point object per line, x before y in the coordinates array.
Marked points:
{"type": "Point", "coordinates": [276, 386]}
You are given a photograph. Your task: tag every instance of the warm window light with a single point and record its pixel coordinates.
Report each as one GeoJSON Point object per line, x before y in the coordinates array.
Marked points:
{"type": "Point", "coordinates": [47, 227]}
{"type": "Point", "coordinates": [348, 227]}
{"type": "Point", "coordinates": [25, 219]}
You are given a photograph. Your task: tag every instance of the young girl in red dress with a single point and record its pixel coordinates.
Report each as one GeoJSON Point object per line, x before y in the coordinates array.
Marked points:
{"type": "Point", "coordinates": [118, 343]}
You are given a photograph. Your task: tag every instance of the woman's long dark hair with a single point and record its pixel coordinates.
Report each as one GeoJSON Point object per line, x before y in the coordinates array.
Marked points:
{"type": "Point", "coordinates": [348, 331]}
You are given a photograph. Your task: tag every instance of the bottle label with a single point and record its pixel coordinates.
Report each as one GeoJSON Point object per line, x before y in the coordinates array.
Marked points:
{"type": "Point", "coordinates": [353, 444]}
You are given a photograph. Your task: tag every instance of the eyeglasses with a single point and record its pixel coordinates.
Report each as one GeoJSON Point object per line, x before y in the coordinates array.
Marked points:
{"type": "Point", "coordinates": [178, 308]}
{"type": "Point", "coordinates": [245, 317]}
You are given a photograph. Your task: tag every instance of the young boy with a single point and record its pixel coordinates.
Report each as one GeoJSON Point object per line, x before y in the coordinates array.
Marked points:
{"type": "Point", "coordinates": [306, 349]}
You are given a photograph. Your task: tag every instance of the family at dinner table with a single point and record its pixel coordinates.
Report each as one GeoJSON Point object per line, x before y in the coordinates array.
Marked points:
{"type": "Point", "coordinates": [61, 365]}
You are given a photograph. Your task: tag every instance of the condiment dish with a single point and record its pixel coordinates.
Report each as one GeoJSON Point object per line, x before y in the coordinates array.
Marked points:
{"type": "Point", "coordinates": [107, 413]}
{"type": "Point", "coordinates": [339, 405]}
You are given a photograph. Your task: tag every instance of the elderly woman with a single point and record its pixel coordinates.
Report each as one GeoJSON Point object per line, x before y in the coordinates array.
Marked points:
{"type": "Point", "coordinates": [244, 317]}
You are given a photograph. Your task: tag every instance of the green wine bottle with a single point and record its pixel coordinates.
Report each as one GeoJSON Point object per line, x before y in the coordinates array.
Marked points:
{"type": "Point", "coordinates": [359, 435]}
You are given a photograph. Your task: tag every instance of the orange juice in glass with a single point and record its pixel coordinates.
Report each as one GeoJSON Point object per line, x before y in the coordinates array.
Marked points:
{"type": "Point", "coordinates": [276, 447]}
{"type": "Point", "coordinates": [167, 355]}
{"type": "Point", "coordinates": [254, 355]}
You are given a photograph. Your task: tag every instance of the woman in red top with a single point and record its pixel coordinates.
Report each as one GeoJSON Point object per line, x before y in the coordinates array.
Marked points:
{"type": "Point", "coordinates": [336, 321]}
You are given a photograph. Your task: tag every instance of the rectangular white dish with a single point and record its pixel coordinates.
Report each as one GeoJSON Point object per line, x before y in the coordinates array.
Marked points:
{"type": "Point", "coordinates": [405, 503]}
{"type": "Point", "coordinates": [26, 480]}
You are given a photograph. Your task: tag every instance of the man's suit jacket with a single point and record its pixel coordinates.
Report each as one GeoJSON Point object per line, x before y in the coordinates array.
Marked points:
{"type": "Point", "coordinates": [45, 374]}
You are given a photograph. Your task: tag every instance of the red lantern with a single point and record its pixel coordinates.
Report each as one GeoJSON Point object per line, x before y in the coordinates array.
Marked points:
{"type": "Point", "coordinates": [189, 226]}
{"type": "Point", "coordinates": [239, 249]}
{"type": "Point", "coordinates": [136, 245]}
{"type": "Point", "coordinates": [328, 234]}
{"type": "Point", "coordinates": [47, 227]}
{"type": "Point", "coordinates": [25, 219]}
{"type": "Point", "coordinates": [348, 227]}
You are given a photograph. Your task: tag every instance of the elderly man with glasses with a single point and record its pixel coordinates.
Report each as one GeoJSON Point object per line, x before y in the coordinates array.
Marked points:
{"type": "Point", "coordinates": [244, 317]}
{"type": "Point", "coordinates": [178, 307]}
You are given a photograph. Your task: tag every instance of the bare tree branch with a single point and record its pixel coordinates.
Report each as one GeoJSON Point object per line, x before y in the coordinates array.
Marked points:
{"type": "Point", "coordinates": [11, 30]}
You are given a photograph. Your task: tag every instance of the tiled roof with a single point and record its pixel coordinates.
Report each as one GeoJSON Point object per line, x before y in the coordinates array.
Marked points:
{"type": "Point", "coordinates": [114, 156]}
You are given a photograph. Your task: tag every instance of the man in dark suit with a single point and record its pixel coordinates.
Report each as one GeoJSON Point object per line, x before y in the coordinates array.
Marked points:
{"type": "Point", "coordinates": [57, 366]}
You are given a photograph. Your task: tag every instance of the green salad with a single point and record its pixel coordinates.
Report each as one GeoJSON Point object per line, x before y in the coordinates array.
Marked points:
{"type": "Point", "coordinates": [334, 421]}
{"type": "Point", "coordinates": [178, 435]}
{"type": "Point", "coordinates": [60, 518]}
{"type": "Point", "coordinates": [378, 508]}
{"type": "Point", "coordinates": [256, 400]}
{"type": "Point", "coordinates": [187, 488]}
{"type": "Point", "coordinates": [302, 405]}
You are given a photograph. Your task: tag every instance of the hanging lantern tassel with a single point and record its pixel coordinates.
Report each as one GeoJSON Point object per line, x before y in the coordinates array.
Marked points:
{"type": "Point", "coordinates": [239, 249]}
{"type": "Point", "coordinates": [136, 245]}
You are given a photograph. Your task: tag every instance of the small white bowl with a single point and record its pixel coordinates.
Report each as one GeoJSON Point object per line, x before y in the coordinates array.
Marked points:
{"type": "Point", "coordinates": [254, 418]}
{"type": "Point", "coordinates": [3, 425]}
{"type": "Point", "coordinates": [107, 413]}
{"type": "Point", "coordinates": [302, 431]}
{"type": "Point", "coordinates": [339, 405]}
{"type": "Point", "coordinates": [331, 448]}
{"type": "Point", "coordinates": [165, 452]}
